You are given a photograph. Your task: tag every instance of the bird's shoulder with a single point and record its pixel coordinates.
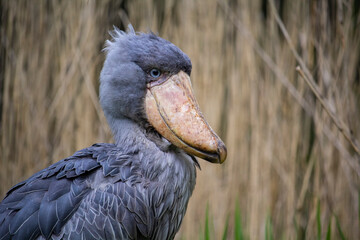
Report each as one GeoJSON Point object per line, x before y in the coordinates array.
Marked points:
{"type": "Point", "coordinates": [108, 156]}
{"type": "Point", "coordinates": [43, 203]}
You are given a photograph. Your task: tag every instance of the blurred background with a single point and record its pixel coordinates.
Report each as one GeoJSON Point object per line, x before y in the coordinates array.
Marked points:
{"type": "Point", "coordinates": [290, 172]}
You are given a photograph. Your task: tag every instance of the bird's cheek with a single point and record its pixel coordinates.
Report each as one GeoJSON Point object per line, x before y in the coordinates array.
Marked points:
{"type": "Point", "coordinates": [172, 110]}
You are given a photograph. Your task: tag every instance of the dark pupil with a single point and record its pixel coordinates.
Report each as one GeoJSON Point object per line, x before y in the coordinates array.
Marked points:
{"type": "Point", "coordinates": [155, 73]}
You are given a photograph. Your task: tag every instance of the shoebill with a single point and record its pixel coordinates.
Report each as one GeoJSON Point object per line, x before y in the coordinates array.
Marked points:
{"type": "Point", "coordinates": [139, 187]}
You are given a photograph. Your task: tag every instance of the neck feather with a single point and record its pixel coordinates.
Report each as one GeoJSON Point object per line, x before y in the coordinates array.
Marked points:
{"type": "Point", "coordinates": [126, 131]}
{"type": "Point", "coordinates": [129, 133]}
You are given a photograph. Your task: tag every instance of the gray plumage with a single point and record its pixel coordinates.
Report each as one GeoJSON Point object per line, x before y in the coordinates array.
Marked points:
{"type": "Point", "coordinates": [137, 188]}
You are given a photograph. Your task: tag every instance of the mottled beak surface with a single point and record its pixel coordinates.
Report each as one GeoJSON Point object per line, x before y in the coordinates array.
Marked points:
{"type": "Point", "coordinates": [173, 111]}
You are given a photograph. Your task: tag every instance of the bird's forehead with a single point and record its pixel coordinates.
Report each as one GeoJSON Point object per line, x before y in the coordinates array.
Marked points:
{"type": "Point", "coordinates": [149, 51]}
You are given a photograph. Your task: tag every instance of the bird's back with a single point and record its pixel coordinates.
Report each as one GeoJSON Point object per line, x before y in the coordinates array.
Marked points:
{"type": "Point", "coordinates": [101, 192]}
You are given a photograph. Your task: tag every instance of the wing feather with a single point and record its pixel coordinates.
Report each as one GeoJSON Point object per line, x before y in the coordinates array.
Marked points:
{"type": "Point", "coordinates": [97, 193]}
{"type": "Point", "coordinates": [43, 203]}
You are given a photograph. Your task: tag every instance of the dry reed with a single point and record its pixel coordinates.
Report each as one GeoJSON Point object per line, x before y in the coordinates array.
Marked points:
{"type": "Point", "coordinates": [285, 154]}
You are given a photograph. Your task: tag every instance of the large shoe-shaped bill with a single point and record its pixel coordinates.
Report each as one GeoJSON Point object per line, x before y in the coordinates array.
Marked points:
{"type": "Point", "coordinates": [173, 111]}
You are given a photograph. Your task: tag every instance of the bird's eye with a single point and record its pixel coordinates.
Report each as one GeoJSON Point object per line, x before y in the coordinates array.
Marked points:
{"type": "Point", "coordinates": [155, 73]}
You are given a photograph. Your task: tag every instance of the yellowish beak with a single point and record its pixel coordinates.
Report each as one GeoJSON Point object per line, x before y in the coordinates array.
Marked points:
{"type": "Point", "coordinates": [173, 111]}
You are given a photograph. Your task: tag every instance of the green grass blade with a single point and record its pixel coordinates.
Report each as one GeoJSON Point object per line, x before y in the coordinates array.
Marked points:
{"type": "Point", "coordinates": [328, 233]}
{"type": "Point", "coordinates": [207, 228]}
{"type": "Point", "coordinates": [224, 236]}
{"type": "Point", "coordinates": [341, 233]}
{"type": "Point", "coordinates": [201, 234]}
{"type": "Point", "coordinates": [268, 229]}
{"type": "Point", "coordinates": [239, 233]}
{"type": "Point", "coordinates": [318, 220]}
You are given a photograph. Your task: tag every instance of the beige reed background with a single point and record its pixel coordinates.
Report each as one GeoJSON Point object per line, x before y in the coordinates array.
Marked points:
{"type": "Point", "coordinates": [286, 157]}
